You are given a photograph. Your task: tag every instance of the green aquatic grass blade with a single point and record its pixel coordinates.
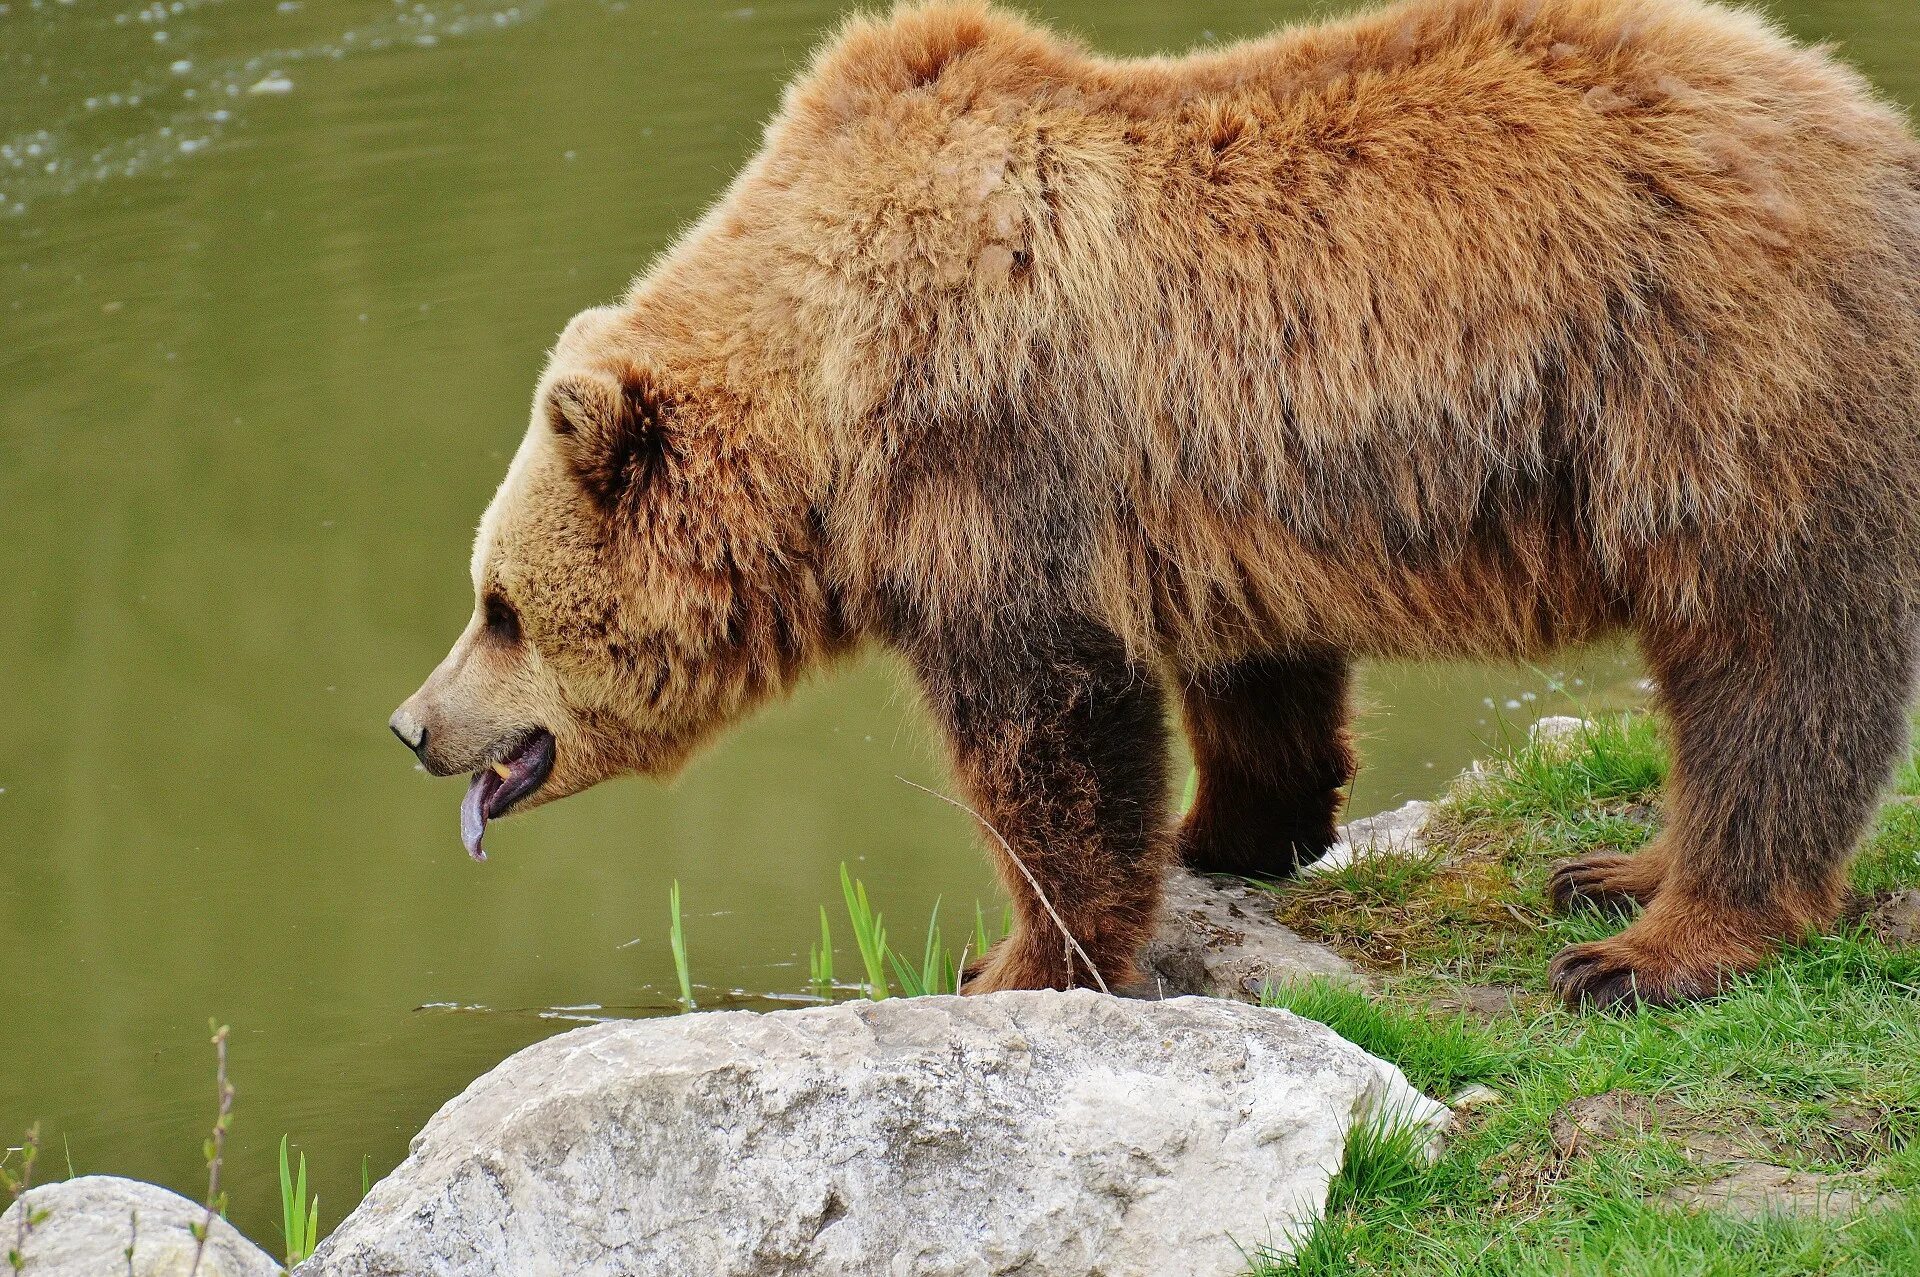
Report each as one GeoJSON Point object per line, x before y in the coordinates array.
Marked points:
{"type": "Point", "coordinates": [911, 985]}
{"type": "Point", "coordinates": [820, 964]}
{"type": "Point", "coordinates": [366, 1174]}
{"type": "Point", "coordinates": [299, 1246]}
{"type": "Point", "coordinates": [869, 933]}
{"type": "Point", "coordinates": [677, 937]}
{"type": "Point", "coordinates": [288, 1228]}
{"type": "Point", "coordinates": [932, 955]}
{"type": "Point", "coordinates": [980, 942]}
{"type": "Point", "coordinates": [299, 1214]}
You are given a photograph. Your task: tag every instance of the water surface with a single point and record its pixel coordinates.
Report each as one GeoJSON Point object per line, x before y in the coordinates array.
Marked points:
{"type": "Point", "coordinates": [275, 284]}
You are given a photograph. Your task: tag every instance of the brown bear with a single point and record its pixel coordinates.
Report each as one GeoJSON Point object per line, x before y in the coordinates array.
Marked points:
{"type": "Point", "coordinates": [1458, 328]}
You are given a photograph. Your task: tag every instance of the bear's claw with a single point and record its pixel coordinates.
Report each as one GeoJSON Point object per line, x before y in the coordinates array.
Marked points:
{"type": "Point", "coordinates": [1609, 975]}
{"type": "Point", "coordinates": [1607, 881]}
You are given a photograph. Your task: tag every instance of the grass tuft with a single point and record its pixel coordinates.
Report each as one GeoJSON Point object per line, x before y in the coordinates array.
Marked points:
{"type": "Point", "coordinates": [869, 933]}
{"type": "Point", "coordinates": [300, 1216]}
{"type": "Point", "coordinates": [677, 939]}
{"type": "Point", "coordinates": [1811, 1063]}
{"type": "Point", "coordinates": [1439, 1055]}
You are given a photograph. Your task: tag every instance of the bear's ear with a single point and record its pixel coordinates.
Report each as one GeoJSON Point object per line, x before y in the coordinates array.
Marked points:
{"type": "Point", "coordinates": [610, 428]}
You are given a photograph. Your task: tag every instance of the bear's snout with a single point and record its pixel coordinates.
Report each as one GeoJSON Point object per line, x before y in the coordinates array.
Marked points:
{"type": "Point", "coordinates": [412, 734]}
{"type": "Point", "coordinates": [439, 751]}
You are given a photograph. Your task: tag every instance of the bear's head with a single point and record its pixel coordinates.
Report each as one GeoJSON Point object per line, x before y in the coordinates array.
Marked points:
{"type": "Point", "coordinates": [646, 573]}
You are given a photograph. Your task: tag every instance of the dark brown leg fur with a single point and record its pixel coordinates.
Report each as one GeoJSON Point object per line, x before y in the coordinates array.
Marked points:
{"type": "Point", "coordinates": [1060, 746]}
{"type": "Point", "coordinates": [1783, 730]}
{"type": "Point", "coordinates": [1269, 739]}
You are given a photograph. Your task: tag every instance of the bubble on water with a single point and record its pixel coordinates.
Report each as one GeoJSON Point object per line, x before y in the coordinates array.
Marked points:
{"type": "Point", "coordinates": [275, 83]}
{"type": "Point", "coordinates": [181, 67]}
{"type": "Point", "coordinates": [159, 37]}
{"type": "Point", "coordinates": [188, 145]}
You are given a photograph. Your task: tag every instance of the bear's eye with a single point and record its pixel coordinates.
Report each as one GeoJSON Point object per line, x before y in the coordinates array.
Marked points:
{"type": "Point", "coordinates": [502, 622]}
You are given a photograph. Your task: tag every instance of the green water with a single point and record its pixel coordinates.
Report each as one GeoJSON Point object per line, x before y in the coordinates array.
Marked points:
{"type": "Point", "coordinates": [263, 356]}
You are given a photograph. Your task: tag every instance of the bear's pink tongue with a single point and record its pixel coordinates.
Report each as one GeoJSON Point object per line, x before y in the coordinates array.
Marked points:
{"type": "Point", "coordinates": [498, 786]}
{"type": "Point", "coordinates": [473, 810]}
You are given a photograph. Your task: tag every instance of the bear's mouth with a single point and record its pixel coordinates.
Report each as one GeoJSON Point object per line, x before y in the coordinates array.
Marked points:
{"type": "Point", "coordinates": [499, 786]}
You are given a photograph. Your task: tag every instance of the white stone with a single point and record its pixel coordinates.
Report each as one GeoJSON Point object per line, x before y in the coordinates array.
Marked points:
{"type": "Point", "coordinates": [1396, 832]}
{"type": "Point", "coordinates": [90, 1220]}
{"type": "Point", "coordinates": [1044, 1134]}
{"type": "Point", "coordinates": [1557, 729]}
{"type": "Point", "coordinates": [1476, 1096]}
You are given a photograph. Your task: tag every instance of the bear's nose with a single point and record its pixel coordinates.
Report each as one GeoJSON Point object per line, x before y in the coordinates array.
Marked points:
{"type": "Point", "coordinates": [413, 735]}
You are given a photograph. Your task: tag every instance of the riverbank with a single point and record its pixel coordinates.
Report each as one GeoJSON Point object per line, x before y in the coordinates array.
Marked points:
{"type": "Point", "coordinates": [1768, 1133]}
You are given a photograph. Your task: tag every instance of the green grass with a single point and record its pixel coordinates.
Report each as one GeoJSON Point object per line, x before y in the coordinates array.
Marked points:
{"type": "Point", "coordinates": [299, 1214]}
{"type": "Point", "coordinates": [869, 933]}
{"type": "Point", "coordinates": [820, 961]}
{"type": "Point", "coordinates": [1812, 1063]}
{"type": "Point", "coordinates": [935, 969]}
{"type": "Point", "coordinates": [677, 941]}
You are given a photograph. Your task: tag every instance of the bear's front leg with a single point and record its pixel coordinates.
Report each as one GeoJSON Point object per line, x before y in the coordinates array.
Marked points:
{"type": "Point", "coordinates": [1059, 746]}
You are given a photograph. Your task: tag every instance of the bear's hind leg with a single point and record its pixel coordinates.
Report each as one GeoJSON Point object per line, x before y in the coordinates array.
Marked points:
{"type": "Point", "coordinates": [1060, 744]}
{"type": "Point", "coordinates": [1270, 744]}
{"type": "Point", "coordinates": [1782, 735]}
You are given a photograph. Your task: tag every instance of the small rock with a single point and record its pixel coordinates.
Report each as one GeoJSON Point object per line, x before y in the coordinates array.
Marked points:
{"type": "Point", "coordinates": [1753, 1189]}
{"type": "Point", "coordinates": [1896, 920]}
{"type": "Point", "coordinates": [89, 1221]}
{"type": "Point", "coordinates": [1587, 1119]}
{"type": "Point", "coordinates": [1475, 1096]}
{"type": "Point", "coordinates": [1397, 831]}
{"type": "Point", "coordinates": [1557, 729]}
{"type": "Point", "coordinates": [1481, 1001]}
{"type": "Point", "coordinates": [1218, 937]}
{"type": "Point", "coordinates": [1048, 1134]}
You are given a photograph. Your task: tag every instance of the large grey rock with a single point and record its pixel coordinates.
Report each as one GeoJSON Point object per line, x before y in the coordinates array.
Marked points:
{"type": "Point", "coordinates": [90, 1220]}
{"type": "Point", "coordinates": [1219, 937]}
{"type": "Point", "coordinates": [1043, 1134]}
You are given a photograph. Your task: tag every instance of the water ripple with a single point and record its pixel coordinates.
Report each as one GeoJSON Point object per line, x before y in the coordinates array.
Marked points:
{"type": "Point", "coordinates": [179, 96]}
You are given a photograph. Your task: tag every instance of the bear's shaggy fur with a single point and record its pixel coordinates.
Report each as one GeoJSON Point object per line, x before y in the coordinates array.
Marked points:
{"type": "Point", "coordinates": [1459, 328]}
